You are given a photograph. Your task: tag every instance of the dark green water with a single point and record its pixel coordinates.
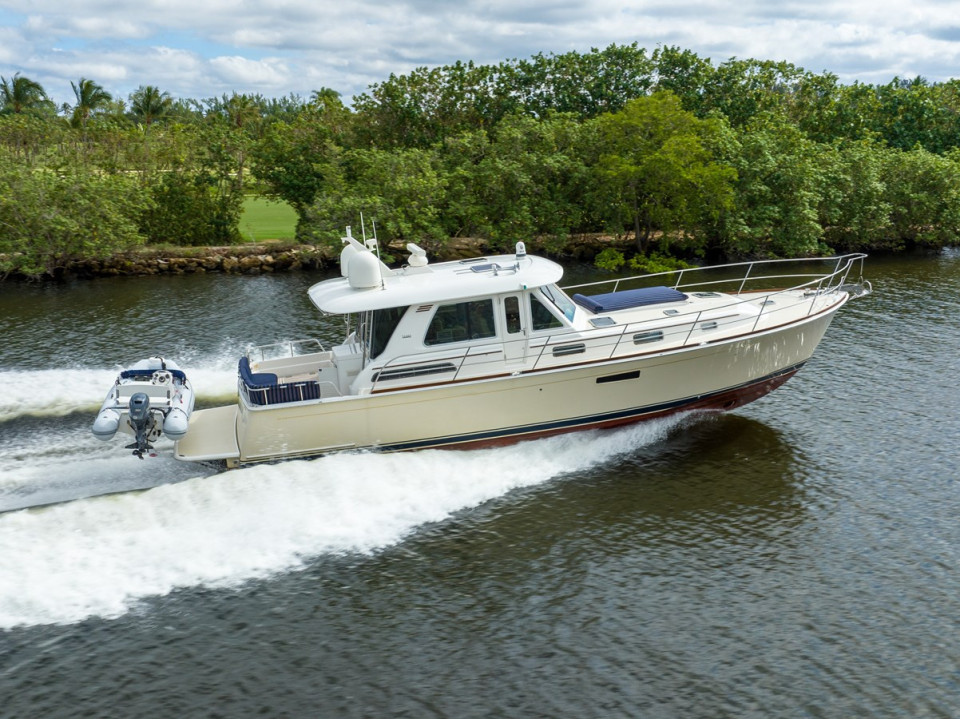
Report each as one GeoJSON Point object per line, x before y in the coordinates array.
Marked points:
{"type": "Point", "coordinates": [798, 558]}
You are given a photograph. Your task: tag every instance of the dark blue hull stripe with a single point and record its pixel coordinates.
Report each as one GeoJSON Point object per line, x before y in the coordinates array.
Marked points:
{"type": "Point", "coordinates": [637, 412]}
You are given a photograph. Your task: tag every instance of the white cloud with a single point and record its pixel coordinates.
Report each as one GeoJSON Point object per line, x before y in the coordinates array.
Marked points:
{"type": "Point", "coordinates": [277, 47]}
{"type": "Point", "coordinates": [105, 73]}
{"type": "Point", "coordinates": [97, 27]}
{"type": "Point", "coordinates": [240, 72]}
{"type": "Point", "coordinates": [12, 49]}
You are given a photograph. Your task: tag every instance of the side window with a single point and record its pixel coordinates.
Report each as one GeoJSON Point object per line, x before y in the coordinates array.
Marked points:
{"type": "Point", "coordinates": [511, 308]}
{"type": "Point", "coordinates": [460, 322]}
{"type": "Point", "coordinates": [543, 319]}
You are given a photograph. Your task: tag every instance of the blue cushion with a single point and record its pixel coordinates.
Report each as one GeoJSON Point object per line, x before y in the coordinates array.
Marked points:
{"type": "Point", "coordinates": [260, 380]}
{"type": "Point", "coordinates": [626, 299]}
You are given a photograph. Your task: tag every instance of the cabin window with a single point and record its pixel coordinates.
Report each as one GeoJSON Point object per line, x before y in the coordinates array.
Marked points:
{"type": "Point", "coordinates": [511, 307]}
{"type": "Point", "coordinates": [564, 350]}
{"type": "Point", "coordinates": [563, 303]}
{"type": "Point", "coordinates": [643, 338]}
{"type": "Point", "coordinates": [462, 321]}
{"type": "Point", "coordinates": [382, 325]}
{"type": "Point", "coordinates": [543, 318]}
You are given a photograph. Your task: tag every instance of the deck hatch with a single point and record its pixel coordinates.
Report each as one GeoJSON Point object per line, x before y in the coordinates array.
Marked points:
{"type": "Point", "coordinates": [603, 321]}
{"type": "Point", "coordinates": [488, 267]}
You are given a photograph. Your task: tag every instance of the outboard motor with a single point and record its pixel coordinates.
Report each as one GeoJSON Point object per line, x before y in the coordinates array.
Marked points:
{"type": "Point", "coordinates": [140, 420]}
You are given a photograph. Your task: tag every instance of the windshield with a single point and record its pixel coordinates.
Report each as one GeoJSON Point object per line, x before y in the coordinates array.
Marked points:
{"type": "Point", "coordinates": [562, 302]}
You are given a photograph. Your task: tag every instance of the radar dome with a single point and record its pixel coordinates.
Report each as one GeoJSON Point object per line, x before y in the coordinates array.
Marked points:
{"type": "Point", "coordinates": [363, 271]}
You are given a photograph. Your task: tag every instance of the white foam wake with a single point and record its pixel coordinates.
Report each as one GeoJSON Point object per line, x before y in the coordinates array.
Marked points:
{"type": "Point", "coordinates": [98, 556]}
{"type": "Point", "coordinates": [61, 392]}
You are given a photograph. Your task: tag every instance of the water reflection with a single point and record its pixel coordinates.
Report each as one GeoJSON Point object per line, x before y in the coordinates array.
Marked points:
{"type": "Point", "coordinates": [720, 478]}
{"type": "Point", "coordinates": [119, 320]}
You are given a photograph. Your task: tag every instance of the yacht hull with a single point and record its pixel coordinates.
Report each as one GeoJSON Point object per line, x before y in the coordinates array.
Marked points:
{"type": "Point", "coordinates": [509, 407]}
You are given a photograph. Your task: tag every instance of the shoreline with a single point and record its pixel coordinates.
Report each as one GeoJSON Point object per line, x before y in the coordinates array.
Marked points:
{"type": "Point", "coordinates": [280, 256]}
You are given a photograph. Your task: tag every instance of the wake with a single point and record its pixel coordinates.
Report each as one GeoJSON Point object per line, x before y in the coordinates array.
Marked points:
{"type": "Point", "coordinates": [100, 556]}
{"type": "Point", "coordinates": [60, 392]}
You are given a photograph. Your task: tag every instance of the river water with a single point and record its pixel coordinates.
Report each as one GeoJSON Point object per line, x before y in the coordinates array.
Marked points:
{"type": "Point", "coordinates": [797, 558]}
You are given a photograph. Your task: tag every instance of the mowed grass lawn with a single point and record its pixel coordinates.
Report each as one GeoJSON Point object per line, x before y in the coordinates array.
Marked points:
{"type": "Point", "coordinates": [265, 219]}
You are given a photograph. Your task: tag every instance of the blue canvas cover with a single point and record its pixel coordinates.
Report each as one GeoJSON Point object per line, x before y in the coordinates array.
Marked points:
{"type": "Point", "coordinates": [612, 301]}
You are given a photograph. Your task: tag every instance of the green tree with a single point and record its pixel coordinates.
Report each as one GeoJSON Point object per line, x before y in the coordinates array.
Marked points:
{"type": "Point", "coordinates": [243, 111]}
{"type": "Point", "coordinates": [911, 113]}
{"type": "Point", "coordinates": [855, 211]}
{"type": "Point", "coordinates": [923, 190]}
{"type": "Point", "coordinates": [49, 218]}
{"type": "Point", "coordinates": [585, 84]}
{"type": "Point", "coordinates": [336, 117]}
{"type": "Point", "coordinates": [526, 178]}
{"type": "Point", "coordinates": [813, 106]}
{"type": "Point", "coordinates": [743, 89]}
{"type": "Point", "coordinates": [655, 173]}
{"type": "Point", "coordinates": [684, 74]}
{"type": "Point", "coordinates": [196, 199]}
{"type": "Point", "coordinates": [413, 110]}
{"type": "Point", "coordinates": [295, 158]}
{"type": "Point", "coordinates": [242, 117]}
{"type": "Point", "coordinates": [189, 208]}
{"type": "Point", "coordinates": [400, 190]}
{"type": "Point", "coordinates": [32, 138]}
{"type": "Point", "coordinates": [779, 192]}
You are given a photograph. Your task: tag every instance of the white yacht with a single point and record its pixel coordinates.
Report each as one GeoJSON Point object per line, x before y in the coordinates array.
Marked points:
{"type": "Point", "coordinates": [491, 350]}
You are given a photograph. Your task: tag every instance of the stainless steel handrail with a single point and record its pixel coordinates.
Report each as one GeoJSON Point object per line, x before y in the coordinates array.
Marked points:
{"type": "Point", "coordinates": [289, 344]}
{"type": "Point", "coordinates": [846, 261]}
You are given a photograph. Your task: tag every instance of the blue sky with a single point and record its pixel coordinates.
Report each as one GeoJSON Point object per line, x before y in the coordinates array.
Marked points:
{"type": "Point", "coordinates": [204, 48]}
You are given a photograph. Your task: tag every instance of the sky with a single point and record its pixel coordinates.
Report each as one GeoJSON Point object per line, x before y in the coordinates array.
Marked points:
{"type": "Point", "coordinates": [205, 48]}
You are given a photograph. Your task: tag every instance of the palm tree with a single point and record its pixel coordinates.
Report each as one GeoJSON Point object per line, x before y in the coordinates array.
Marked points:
{"type": "Point", "coordinates": [20, 94]}
{"type": "Point", "coordinates": [326, 99]}
{"type": "Point", "coordinates": [90, 98]}
{"type": "Point", "coordinates": [147, 104]}
{"type": "Point", "coordinates": [242, 110]}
